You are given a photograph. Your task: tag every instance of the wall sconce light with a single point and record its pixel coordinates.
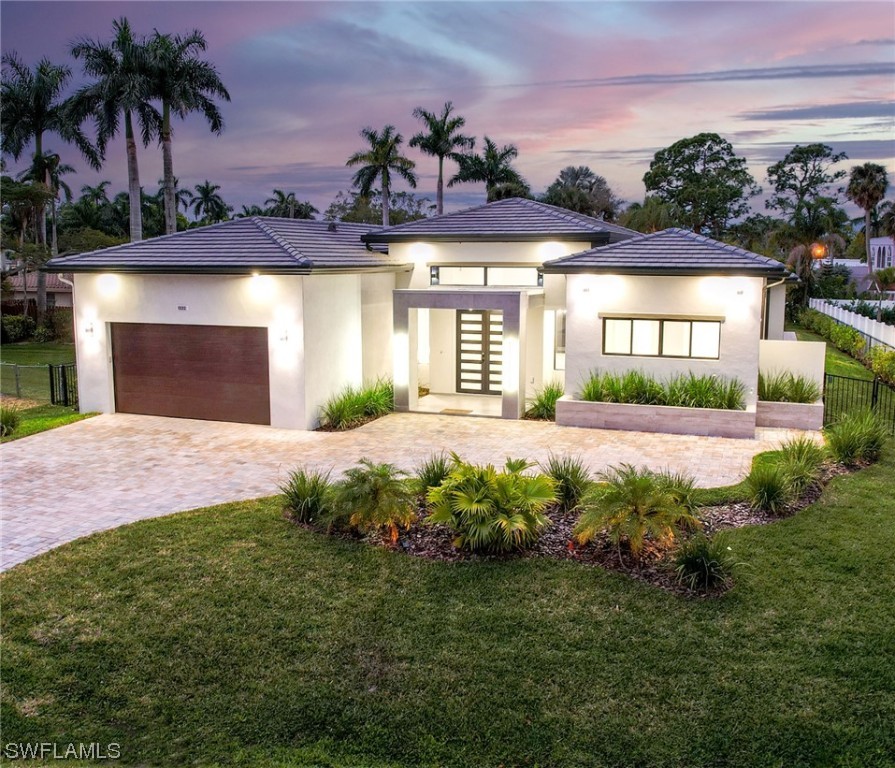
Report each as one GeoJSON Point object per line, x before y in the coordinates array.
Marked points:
{"type": "Point", "coordinates": [89, 329]}
{"type": "Point", "coordinates": [434, 275]}
{"type": "Point", "coordinates": [284, 336]}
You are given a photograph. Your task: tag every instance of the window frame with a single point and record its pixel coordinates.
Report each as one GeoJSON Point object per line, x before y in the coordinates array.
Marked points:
{"type": "Point", "coordinates": [661, 319]}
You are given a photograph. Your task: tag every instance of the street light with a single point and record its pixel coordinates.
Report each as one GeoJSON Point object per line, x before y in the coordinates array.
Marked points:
{"type": "Point", "coordinates": [818, 251]}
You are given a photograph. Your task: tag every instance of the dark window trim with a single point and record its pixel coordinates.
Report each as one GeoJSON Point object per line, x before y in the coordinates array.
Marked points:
{"type": "Point", "coordinates": [435, 273]}
{"type": "Point", "coordinates": [661, 320]}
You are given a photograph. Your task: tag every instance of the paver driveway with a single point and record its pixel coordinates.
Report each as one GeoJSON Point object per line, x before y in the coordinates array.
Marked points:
{"type": "Point", "coordinates": [115, 469]}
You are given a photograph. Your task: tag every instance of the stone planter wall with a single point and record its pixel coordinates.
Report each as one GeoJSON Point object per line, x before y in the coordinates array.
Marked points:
{"type": "Point", "coordinates": [655, 418]}
{"type": "Point", "coordinates": [790, 415]}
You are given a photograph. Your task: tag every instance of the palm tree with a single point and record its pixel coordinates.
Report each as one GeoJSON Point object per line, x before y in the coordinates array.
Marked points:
{"type": "Point", "coordinates": [493, 167]}
{"type": "Point", "coordinates": [379, 161]}
{"type": "Point", "coordinates": [441, 140]}
{"type": "Point", "coordinates": [48, 168]}
{"type": "Point", "coordinates": [182, 197]}
{"type": "Point", "coordinates": [887, 219]}
{"type": "Point", "coordinates": [866, 188]}
{"type": "Point", "coordinates": [183, 83]}
{"type": "Point", "coordinates": [123, 86]}
{"type": "Point", "coordinates": [96, 195]}
{"type": "Point", "coordinates": [579, 189]}
{"type": "Point", "coordinates": [208, 205]}
{"type": "Point", "coordinates": [285, 205]}
{"type": "Point", "coordinates": [248, 211]}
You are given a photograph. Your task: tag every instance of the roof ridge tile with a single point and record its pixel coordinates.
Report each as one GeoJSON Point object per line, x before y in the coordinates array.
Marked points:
{"type": "Point", "coordinates": [294, 252]}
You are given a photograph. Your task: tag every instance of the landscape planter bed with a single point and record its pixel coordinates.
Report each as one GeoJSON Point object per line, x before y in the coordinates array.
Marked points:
{"type": "Point", "coordinates": [790, 415]}
{"type": "Point", "coordinates": [710, 422]}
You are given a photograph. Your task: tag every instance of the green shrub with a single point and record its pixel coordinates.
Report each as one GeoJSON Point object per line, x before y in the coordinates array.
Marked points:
{"type": "Point", "coordinates": [352, 407]}
{"type": "Point", "coordinates": [882, 363]}
{"type": "Point", "coordinates": [859, 436]}
{"type": "Point", "coordinates": [374, 497]}
{"type": "Point", "coordinates": [681, 486]}
{"type": "Point", "coordinates": [634, 505]}
{"type": "Point", "coordinates": [44, 334]}
{"type": "Point", "coordinates": [543, 406]}
{"type": "Point", "coordinates": [801, 459]}
{"type": "Point", "coordinates": [308, 495]}
{"type": "Point", "coordinates": [786, 387]}
{"type": "Point", "coordinates": [10, 418]}
{"type": "Point", "coordinates": [492, 511]}
{"type": "Point", "coordinates": [571, 477]}
{"type": "Point", "coordinates": [703, 563]}
{"type": "Point", "coordinates": [768, 488]}
{"type": "Point", "coordinates": [688, 391]}
{"type": "Point", "coordinates": [432, 472]}
{"type": "Point", "coordinates": [17, 328]}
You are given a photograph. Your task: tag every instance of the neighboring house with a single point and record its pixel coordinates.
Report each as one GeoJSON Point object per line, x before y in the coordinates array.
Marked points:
{"type": "Point", "coordinates": [882, 253]}
{"type": "Point", "coordinates": [261, 320]}
{"type": "Point", "coordinates": [58, 291]}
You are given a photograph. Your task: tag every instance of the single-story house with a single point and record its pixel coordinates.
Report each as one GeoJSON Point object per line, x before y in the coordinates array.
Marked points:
{"type": "Point", "coordinates": [261, 320]}
{"type": "Point", "coordinates": [24, 288]}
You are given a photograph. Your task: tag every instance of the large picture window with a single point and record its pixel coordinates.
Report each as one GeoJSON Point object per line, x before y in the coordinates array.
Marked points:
{"type": "Point", "coordinates": [660, 337]}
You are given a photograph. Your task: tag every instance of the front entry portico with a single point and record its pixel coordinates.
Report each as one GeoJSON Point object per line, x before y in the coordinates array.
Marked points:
{"type": "Point", "coordinates": [507, 375]}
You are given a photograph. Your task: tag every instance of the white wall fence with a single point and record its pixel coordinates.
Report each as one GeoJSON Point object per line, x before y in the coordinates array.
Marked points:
{"type": "Point", "coordinates": [876, 331]}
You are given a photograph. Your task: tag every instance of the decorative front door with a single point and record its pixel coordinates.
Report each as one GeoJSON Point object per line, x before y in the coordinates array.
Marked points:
{"type": "Point", "coordinates": [479, 347]}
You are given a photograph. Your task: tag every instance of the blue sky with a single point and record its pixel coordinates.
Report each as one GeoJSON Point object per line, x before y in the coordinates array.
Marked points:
{"type": "Point", "coordinates": [598, 84]}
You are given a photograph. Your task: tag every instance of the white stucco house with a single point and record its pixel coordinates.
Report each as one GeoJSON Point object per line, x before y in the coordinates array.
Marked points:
{"type": "Point", "coordinates": [260, 320]}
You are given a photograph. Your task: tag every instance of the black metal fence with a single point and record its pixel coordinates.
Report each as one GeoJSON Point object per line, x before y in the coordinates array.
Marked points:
{"type": "Point", "coordinates": [63, 384]}
{"type": "Point", "coordinates": [843, 395]}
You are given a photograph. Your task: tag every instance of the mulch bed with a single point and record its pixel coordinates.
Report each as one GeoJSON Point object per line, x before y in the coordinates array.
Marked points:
{"type": "Point", "coordinates": [435, 542]}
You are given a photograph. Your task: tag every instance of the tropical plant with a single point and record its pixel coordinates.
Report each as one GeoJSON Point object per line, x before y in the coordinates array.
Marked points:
{"type": "Point", "coordinates": [123, 86]}
{"type": "Point", "coordinates": [705, 179]}
{"type": "Point", "coordinates": [286, 206]}
{"type": "Point", "coordinates": [493, 167]}
{"type": "Point", "coordinates": [685, 390]}
{"type": "Point", "coordinates": [353, 406]}
{"type": "Point", "coordinates": [572, 478]}
{"type": "Point", "coordinates": [768, 488]}
{"type": "Point", "coordinates": [858, 437]}
{"type": "Point", "coordinates": [308, 495]}
{"type": "Point", "coordinates": [801, 459]}
{"type": "Point", "coordinates": [653, 215]}
{"type": "Point", "coordinates": [704, 563]}
{"type": "Point", "coordinates": [374, 497]}
{"type": "Point", "coordinates": [183, 83]}
{"type": "Point", "coordinates": [866, 188]}
{"type": "Point", "coordinates": [490, 510]}
{"type": "Point", "coordinates": [379, 161]}
{"type": "Point", "coordinates": [787, 387]}
{"type": "Point", "coordinates": [632, 505]}
{"type": "Point", "coordinates": [543, 407]}
{"type": "Point", "coordinates": [441, 139]}
{"type": "Point", "coordinates": [354, 207]}
{"type": "Point", "coordinates": [208, 206]}
{"type": "Point", "coordinates": [10, 418]}
{"type": "Point", "coordinates": [432, 472]}
{"type": "Point", "coordinates": [579, 189]}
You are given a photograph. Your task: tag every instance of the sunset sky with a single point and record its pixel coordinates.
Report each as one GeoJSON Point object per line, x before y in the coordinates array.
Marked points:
{"type": "Point", "coordinates": [596, 83]}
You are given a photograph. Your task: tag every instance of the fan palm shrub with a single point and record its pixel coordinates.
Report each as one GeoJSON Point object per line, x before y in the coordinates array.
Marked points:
{"type": "Point", "coordinates": [634, 505]}
{"type": "Point", "coordinates": [571, 477]}
{"type": "Point", "coordinates": [374, 497]}
{"type": "Point", "coordinates": [703, 563]}
{"type": "Point", "coordinates": [308, 495]}
{"type": "Point", "coordinates": [859, 436]}
{"type": "Point", "coordinates": [492, 511]}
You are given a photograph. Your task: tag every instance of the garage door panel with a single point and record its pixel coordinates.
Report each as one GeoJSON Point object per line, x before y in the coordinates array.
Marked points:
{"type": "Point", "coordinates": [217, 373]}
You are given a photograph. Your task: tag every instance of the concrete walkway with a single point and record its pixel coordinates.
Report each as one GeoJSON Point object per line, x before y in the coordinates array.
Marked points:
{"type": "Point", "coordinates": [114, 469]}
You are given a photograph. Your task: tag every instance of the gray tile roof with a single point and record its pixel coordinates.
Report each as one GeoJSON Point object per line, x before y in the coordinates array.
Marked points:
{"type": "Point", "coordinates": [288, 246]}
{"type": "Point", "coordinates": [669, 252]}
{"type": "Point", "coordinates": [512, 219]}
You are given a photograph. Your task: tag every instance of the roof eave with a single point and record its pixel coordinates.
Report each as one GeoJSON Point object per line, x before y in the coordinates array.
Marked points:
{"type": "Point", "coordinates": [594, 238]}
{"type": "Point", "coordinates": [559, 269]}
{"type": "Point", "coordinates": [160, 269]}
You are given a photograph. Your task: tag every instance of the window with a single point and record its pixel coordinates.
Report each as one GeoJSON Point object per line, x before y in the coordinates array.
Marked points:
{"type": "Point", "coordinates": [648, 337]}
{"type": "Point", "coordinates": [559, 341]}
{"type": "Point", "coordinates": [471, 275]}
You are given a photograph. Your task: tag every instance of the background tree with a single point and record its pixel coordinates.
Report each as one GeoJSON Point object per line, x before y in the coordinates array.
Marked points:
{"type": "Point", "coordinates": [123, 86]}
{"type": "Point", "coordinates": [442, 140]}
{"type": "Point", "coordinates": [183, 83]}
{"type": "Point", "coordinates": [285, 205]}
{"type": "Point", "coordinates": [803, 190]}
{"type": "Point", "coordinates": [379, 162]}
{"type": "Point", "coordinates": [705, 179]}
{"type": "Point", "coordinates": [866, 188]}
{"type": "Point", "coordinates": [354, 207]}
{"type": "Point", "coordinates": [579, 189]}
{"type": "Point", "coordinates": [208, 206]}
{"type": "Point", "coordinates": [652, 215]}
{"type": "Point", "coordinates": [48, 168]}
{"type": "Point", "coordinates": [887, 219]}
{"type": "Point", "coordinates": [493, 167]}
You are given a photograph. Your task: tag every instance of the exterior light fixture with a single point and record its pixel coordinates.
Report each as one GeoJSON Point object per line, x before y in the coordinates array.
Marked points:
{"type": "Point", "coordinates": [434, 275]}
{"type": "Point", "coordinates": [540, 278]}
{"type": "Point", "coordinates": [89, 329]}
{"type": "Point", "coordinates": [818, 251]}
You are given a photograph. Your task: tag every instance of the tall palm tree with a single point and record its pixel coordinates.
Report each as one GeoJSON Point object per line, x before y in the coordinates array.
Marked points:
{"type": "Point", "coordinates": [577, 177]}
{"type": "Point", "coordinates": [285, 205]}
{"type": "Point", "coordinates": [96, 195]}
{"type": "Point", "coordinates": [248, 211]}
{"type": "Point", "coordinates": [183, 83]}
{"type": "Point", "coordinates": [442, 140]}
{"type": "Point", "coordinates": [208, 205]}
{"type": "Point", "coordinates": [493, 167]}
{"type": "Point", "coordinates": [48, 168]}
{"type": "Point", "coordinates": [866, 188]}
{"type": "Point", "coordinates": [123, 86]}
{"type": "Point", "coordinates": [182, 197]}
{"type": "Point", "coordinates": [887, 219]}
{"type": "Point", "coordinates": [378, 162]}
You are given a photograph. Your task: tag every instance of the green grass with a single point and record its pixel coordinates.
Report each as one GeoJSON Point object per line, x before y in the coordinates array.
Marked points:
{"type": "Point", "coordinates": [34, 383]}
{"type": "Point", "coordinates": [44, 417]}
{"type": "Point", "coordinates": [837, 362]}
{"type": "Point", "coordinates": [228, 636]}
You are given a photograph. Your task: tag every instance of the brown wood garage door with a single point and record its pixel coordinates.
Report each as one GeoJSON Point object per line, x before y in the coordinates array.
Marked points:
{"type": "Point", "coordinates": [209, 372]}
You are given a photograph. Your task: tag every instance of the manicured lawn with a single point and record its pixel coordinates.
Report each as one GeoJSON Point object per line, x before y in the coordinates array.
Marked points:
{"type": "Point", "coordinates": [228, 636]}
{"type": "Point", "coordinates": [34, 382]}
{"type": "Point", "coordinates": [42, 418]}
{"type": "Point", "coordinates": [837, 362]}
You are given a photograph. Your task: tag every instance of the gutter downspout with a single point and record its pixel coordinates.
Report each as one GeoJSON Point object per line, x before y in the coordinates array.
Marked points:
{"type": "Point", "coordinates": [767, 295]}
